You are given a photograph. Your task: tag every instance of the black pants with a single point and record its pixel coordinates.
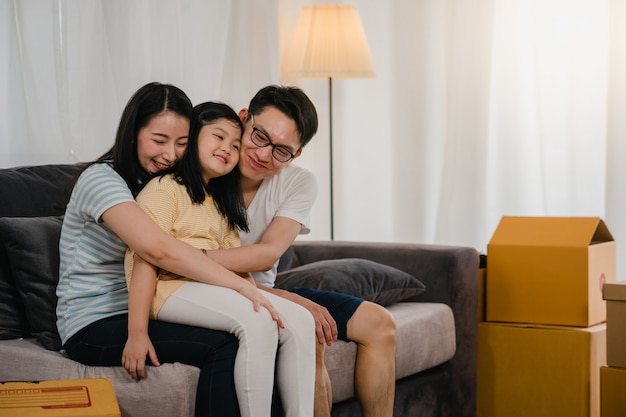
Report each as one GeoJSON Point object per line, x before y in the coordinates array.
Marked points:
{"type": "Point", "coordinates": [102, 343]}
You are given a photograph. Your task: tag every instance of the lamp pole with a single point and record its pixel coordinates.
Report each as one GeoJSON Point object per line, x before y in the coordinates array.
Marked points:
{"type": "Point", "coordinates": [321, 49]}
{"type": "Point", "coordinates": [330, 152]}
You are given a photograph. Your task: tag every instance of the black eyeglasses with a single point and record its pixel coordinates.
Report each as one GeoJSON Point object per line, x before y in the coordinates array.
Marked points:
{"type": "Point", "coordinates": [281, 153]}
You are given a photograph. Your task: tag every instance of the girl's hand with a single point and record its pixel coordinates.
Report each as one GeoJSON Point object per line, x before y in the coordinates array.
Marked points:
{"type": "Point", "coordinates": [250, 291]}
{"type": "Point", "coordinates": [137, 348]}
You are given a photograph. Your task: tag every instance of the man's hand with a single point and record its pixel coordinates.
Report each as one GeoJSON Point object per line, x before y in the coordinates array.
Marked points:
{"type": "Point", "coordinates": [325, 325]}
{"type": "Point", "coordinates": [134, 356]}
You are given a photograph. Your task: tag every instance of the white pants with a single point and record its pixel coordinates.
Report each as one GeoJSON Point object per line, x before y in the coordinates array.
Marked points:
{"type": "Point", "coordinates": [218, 308]}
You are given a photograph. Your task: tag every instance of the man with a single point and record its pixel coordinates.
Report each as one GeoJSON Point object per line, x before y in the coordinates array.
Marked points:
{"type": "Point", "coordinates": [279, 122]}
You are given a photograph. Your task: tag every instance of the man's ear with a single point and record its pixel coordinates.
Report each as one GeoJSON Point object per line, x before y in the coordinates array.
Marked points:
{"type": "Point", "coordinates": [297, 155]}
{"type": "Point", "coordinates": [243, 115]}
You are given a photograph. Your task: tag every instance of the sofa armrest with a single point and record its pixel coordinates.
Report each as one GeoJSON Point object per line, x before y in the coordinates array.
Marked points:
{"type": "Point", "coordinates": [450, 274]}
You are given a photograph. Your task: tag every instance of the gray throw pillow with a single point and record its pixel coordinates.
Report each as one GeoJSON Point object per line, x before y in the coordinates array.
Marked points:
{"type": "Point", "coordinates": [361, 278]}
{"type": "Point", "coordinates": [13, 322]}
{"type": "Point", "coordinates": [32, 247]}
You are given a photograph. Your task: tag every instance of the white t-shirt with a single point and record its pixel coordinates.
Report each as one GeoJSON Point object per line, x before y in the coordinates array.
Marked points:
{"type": "Point", "coordinates": [289, 193]}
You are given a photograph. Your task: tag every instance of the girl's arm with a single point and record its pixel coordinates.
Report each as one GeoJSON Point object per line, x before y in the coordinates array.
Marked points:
{"type": "Point", "coordinates": [140, 294]}
{"type": "Point", "coordinates": [158, 248]}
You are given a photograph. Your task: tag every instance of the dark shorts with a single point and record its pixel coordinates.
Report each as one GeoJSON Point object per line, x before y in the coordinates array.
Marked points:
{"type": "Point", "coordinates": [340, 306]}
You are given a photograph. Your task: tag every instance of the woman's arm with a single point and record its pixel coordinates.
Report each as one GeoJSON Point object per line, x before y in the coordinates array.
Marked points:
{"type": "Point", "coordinates": [140, 294]}
{"type": "Point", "coordinates": [158, 248]}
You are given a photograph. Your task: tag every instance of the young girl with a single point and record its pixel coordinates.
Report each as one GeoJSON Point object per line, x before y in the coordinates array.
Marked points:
{"type": "Point", "coordinates": [200, 202]}
{"type": "Point", "coordinates": [102, 219]}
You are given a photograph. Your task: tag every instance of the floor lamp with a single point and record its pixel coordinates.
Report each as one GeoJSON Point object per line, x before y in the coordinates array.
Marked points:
{"type": "Point", "coordinates": [329, 42]}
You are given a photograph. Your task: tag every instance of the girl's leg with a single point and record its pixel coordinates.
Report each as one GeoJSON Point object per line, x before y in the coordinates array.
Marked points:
{"type": "Point", "coordinates": [212, 307]}
{"type": "Point", "coordinates": [295, 364]}
{"type": "Point", "coordinates": [101, 344]}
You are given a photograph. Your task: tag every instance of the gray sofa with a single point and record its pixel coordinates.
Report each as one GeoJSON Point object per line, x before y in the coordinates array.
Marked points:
{"type": "Point", "coordinates": [436, 328]}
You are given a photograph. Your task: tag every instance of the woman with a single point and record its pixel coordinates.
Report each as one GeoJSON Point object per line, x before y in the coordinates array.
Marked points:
{"type": "Point", "coordinates": [202, 204]}
{"type": "Point", "coordinates": [102, 220]}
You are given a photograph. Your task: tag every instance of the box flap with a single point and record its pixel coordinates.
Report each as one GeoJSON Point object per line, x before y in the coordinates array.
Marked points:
{"type": "Point", "coordinates": [602, 233]}
{"type": "Point", "coordinates": [615, 291]}
{"type": "Point", "coordinates": [550, 231]}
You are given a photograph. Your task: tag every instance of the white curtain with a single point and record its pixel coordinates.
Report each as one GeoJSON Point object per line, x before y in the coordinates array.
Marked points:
{"type": "Point", "coordinates": [482, 109]}
{"type": "Point", "coordinates": [69, 66]}
{"type": "Point", "coordinates": [479, 109]}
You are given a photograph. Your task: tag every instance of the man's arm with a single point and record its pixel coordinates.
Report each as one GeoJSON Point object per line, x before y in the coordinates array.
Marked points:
{"type": "Point", "coordinates": [325, 325]}
{"type": "Point", "coordinates": [260, 256]}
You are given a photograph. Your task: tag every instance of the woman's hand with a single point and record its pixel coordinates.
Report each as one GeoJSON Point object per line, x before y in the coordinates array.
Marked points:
{"type": "Point", "coordinates": [137, 348]}
{"type": "Point", "coordinates": [250, 291]}
{"type": "Point", "coordinates": [164, 275]}
{"type": "Point", "coordinates": [247, 276]}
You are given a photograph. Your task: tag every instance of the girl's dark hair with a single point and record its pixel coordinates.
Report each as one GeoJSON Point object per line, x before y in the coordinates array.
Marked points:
{"type": "Point", "coordinates": [225, 190]}
{"type": "Point", "coordinates": [149, 101]}
{"type": "Point", "coordinates": [293, 102]}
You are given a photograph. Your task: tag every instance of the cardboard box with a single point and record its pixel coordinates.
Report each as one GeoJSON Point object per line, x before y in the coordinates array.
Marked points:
{"type": "Point", "coordinates": [67, 398]}
{"type": "Point", "coordinates": [539, 371]}
{"type": "Point", "coordinates": [615, 296]}
{"type": "Point", "coordinates": [549, 270]}
{"type": "Point", "coordinates": [612, 398]}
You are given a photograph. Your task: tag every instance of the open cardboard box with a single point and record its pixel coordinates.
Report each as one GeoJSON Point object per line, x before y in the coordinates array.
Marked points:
{"type": "Point", "coordinates": [549, 270]}
{"type": "Point", "coordinates": [63, 398]}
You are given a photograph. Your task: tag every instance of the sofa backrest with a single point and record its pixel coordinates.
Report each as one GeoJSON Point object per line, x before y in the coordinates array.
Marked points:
{"type": "Point", "coordinates": [35, 191]}
{"type": "Point", "coordinates": [29, 191]}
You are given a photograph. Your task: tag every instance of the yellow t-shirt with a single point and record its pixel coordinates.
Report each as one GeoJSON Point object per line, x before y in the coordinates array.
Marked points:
{"type": "Point", "coordinates": [200, 225]}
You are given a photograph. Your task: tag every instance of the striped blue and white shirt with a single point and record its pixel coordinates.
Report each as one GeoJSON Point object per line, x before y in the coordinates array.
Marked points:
{"type": "Point", "coordinates": [92, 285]}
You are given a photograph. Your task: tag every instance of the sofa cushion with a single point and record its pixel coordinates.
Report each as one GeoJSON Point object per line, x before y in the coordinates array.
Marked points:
{"type": "Point", "coordinates": [425, 338]}
{"type": "Point", "coordinates": [13, 322]}
{"type": "Point", "coordinates": [32, 246]}
{"type": "Point", "coordinates": [361, 278]}
{"type": "Point", "coordinates": [168, 390]}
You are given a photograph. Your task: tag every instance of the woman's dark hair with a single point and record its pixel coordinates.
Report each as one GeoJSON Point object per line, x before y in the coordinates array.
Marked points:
{"type": "Point", "coordinates": [225, 190]}
{"type": "Point", "coordinates": [293, 102]}
{"type": "Point", "coordinates": [150, 100]}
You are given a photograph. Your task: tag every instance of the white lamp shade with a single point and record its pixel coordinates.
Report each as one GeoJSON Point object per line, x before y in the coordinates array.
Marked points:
{"type": "Point", "coordinates": [329, 42]}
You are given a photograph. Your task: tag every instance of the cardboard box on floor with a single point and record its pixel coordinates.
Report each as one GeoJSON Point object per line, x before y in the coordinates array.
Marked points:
{"type": "Point", "coordinates": [549, 270]}
{"type": "Point", "coordinates": [66, 398]}
{"type": "Point", "coordinates": [539, 371]}
{"type": "Point", "coordinates": [612, 398]}
{"type": "Point", "coordinates": [615, 296]}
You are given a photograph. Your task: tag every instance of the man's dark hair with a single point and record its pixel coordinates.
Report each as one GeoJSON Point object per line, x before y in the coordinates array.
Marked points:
{"type": "Point", "coordinates": [293, 102]}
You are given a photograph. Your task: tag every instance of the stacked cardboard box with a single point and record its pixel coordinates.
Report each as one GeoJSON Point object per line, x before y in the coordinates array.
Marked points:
{"type": "Point", "coordinates": [543, 343]}
{"type": "Point", "coordinates": [613, 377]}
